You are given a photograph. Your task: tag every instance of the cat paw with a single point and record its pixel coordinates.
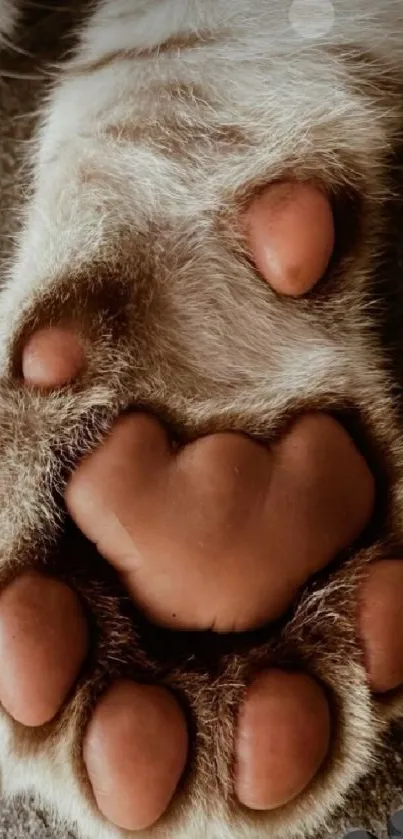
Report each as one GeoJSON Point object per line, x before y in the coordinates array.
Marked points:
{"type": "Point", "coordinates": [135, 745]}
{"type": "Point", "coordinates": [131, 243]}
{"type": "Point", "coordinates": [180, 524]}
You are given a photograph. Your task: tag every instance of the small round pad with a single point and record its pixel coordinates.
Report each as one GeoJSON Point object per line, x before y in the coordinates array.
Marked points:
{"type": "Point", "coordinates": [395, 825]}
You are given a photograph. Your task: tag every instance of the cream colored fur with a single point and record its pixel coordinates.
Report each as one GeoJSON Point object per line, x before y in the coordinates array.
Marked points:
{"type": "Point", "coordinates": [168, 117]}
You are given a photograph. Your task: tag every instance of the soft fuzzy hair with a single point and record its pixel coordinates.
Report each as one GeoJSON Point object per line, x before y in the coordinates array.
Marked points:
{"type": "Point", "coordinates": [8, 17]}
{"type": "Point", "coordinates": [163, 122]}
